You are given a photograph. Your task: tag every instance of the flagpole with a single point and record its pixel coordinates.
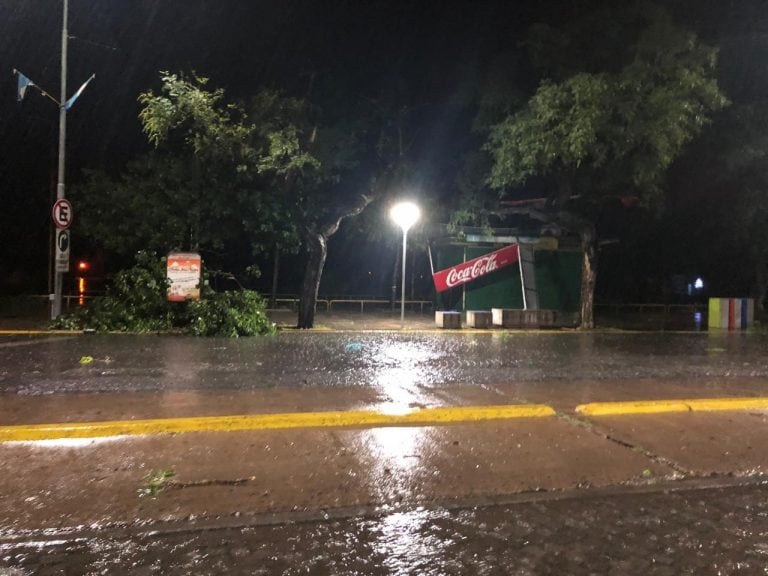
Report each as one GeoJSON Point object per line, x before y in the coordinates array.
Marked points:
{"type": "Point", "coordinates": [59, 276]}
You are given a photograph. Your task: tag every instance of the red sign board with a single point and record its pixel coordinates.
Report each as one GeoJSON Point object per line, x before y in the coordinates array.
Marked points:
{"type": "Point", "coordinates": [184, 269]}
{"type": "Point", "coordinates": [474, 269]}
{"type": "Point", "coordinates": [62, 213]}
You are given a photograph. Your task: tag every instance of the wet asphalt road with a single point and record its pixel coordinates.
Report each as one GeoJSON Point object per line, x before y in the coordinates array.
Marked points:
{"type": "Point", "coordinates": [690, 531]}
{"type": "Point", "coordinates": [51, 365]}
{"type": "Point", "coordinates": [711, 531]}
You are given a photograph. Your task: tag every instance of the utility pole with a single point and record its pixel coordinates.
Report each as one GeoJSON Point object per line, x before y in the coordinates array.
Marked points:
{"type": "Point", "coordinates": [62, 209]}
{"type": "Point", "coordinates": [61, 265]}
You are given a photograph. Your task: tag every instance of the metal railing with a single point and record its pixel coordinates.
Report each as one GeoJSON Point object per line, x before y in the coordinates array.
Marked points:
{"type": "Point", "coordinates": [287, 300]}
{"type": "Point", "coordinates": [648, 316]}
{"type": "Point", "coordinates": [293, 302]}
{"type": "Point", "coordinates": [328, 304]}
{"type": "Point", "coordinates": [648, 307]}
{"type": "Point", "coordinates": [379, 302]}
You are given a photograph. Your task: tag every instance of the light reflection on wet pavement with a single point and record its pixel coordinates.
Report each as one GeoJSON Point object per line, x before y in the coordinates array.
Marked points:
{"type": "Point", "coordinates": [713, 531]}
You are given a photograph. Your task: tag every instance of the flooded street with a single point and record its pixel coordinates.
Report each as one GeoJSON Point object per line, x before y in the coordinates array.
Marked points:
{"type": "Point", "coordinates": [563, 492]}
{"type": "Point", "coordinates": [368, 359]}
{"type": "Point", "coordinates": [161, 376]}
{"type": "Point", "coordinates": [711, 531]}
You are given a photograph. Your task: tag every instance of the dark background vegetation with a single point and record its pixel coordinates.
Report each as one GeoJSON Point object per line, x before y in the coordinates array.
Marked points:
{"type": "Point", "coordinates": [435, 61]}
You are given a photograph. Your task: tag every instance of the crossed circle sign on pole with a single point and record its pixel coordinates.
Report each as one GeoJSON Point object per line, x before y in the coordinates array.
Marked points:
{"type": "Point", "coordinates": [62, 213]}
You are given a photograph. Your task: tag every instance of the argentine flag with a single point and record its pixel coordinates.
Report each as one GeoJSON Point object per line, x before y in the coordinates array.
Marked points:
{"type": "Point", "coordinates": [68, 104]}
{"type": "Point", "coordinates": [23, 83]}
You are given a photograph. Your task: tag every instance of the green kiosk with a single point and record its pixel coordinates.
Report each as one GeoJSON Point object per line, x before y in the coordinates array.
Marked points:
{"type": "Point", "coordinates": [503, 270]}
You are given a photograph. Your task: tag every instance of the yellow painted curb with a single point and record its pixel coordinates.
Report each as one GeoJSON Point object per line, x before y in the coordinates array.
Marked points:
{"type": "Point", "coordinates": [718, 404]}
{"type": "Point", "coordinates": [39, 332]}
{"type": "Point", "coordinates": [360, 418]}
{"type": "Point", "coordinates": [661, 406]}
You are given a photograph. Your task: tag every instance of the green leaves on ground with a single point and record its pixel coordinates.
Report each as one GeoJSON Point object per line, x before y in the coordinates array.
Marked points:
{"type": "Point", "coordinates": [155, 482]}
{"type": "Point", "coordinates": [136, 302]}
{"type": "Point", "coordinates": [230, 314]}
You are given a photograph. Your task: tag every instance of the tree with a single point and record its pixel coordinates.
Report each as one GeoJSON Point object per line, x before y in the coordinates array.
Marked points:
{"type": "Point", "coordinates": [346, 184]}
{"type": "Point", "coordinates": [244, 156]}
{"type": "Point", "coordinates": [208, 181]}
{"type": "Point", "coordinates": [607, 130]}
{"type": "Point", "coordinates": [268, 170]}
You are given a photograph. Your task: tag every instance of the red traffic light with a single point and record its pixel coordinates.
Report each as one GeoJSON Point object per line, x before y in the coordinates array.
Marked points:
{"type": "Point", "coordinates": [83, 265]}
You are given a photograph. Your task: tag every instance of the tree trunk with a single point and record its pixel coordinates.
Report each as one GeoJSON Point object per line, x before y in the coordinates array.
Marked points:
{"type": "Point", "coordinates": [317, 249]}
{"type": "Point", "coordinates": [588, 276]}
{"type": "Point", "coordinates": [316, 246]}
{"type": "Point", "coordinates": [275, 277]}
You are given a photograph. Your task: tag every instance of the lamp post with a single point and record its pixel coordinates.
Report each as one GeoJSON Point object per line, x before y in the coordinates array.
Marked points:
{"type": "Point", "coordinates": [62, 210]}
{"type": "Point", "coordinates": [405, 215]}
{"type": "Point", "coordinates": [58, 282]}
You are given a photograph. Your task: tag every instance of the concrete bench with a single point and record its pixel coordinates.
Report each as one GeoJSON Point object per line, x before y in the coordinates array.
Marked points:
{"type": "Point", "coordinates": [478, 318]}
{"type": "Point", "coordinates": [511, 318]}
{"type": "Point", "coordinates": [448, 320]}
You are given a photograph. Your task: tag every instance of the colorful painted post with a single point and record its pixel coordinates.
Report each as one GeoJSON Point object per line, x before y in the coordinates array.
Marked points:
{"type": "Point", "coordinates": [731, 313]}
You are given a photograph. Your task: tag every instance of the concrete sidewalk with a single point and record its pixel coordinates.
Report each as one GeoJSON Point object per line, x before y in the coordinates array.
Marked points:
{"type": "Point", "coordinates": [62, 485]}
{"type": "Point", "coordinates": [287, 319]}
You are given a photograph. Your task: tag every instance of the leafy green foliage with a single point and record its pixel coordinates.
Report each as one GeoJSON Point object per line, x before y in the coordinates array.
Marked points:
{"type": "Point", "coordinates": [622, 90]}
{"type": "Point", "coordinates": [136, 302]}
{"type": "Point", "coordinates": [218, 174]}
{"type": "Point", "coordinates": [269, 173]}
{"type": "Point", "coordinates": [611, 132]}
{"type": "Point", "coordinates": [563, 124]}
{"type": "Point", "coordinates": [230, 314]}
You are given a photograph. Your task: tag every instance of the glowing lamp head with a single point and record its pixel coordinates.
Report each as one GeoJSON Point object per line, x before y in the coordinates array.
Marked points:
{"type": "Point", "coordinates": [82, 265]}
{"type": "Point", "coordinates": [405, 214]}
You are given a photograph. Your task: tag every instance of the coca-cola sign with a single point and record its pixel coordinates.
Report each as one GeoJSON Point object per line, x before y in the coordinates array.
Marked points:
{"type": "Point", "coordinates": [473, 269]}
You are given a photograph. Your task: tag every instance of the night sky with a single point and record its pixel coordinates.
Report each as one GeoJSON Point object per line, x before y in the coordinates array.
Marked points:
{"type": "Point", "coordinates": [434, 56]}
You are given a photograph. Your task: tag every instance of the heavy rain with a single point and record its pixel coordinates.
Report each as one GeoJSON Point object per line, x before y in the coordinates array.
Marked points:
{"type": "Point", "coordinates": [383, 288]}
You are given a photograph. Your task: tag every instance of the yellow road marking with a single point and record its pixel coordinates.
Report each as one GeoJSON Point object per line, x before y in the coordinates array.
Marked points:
{"type": "Point", "coordinates": [359, 418]}
{"type": "Point", "coordinates": [39, 332]}
{"type": "Point", "coordinates": [661, 406]}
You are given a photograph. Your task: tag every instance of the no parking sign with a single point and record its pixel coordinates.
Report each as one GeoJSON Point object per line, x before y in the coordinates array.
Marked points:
{"type": "Point", "coordinates": [62, 213]}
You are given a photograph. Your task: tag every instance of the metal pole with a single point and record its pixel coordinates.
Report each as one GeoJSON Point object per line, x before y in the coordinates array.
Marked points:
{"type": "Point", "coordinates": [464, 287]}
{"type": "Point", "coordinates": [59, 277]}
{"type": "Point", "coordinates": [402, 289]}
{"type": "Point", "coordinates": [522, 276]}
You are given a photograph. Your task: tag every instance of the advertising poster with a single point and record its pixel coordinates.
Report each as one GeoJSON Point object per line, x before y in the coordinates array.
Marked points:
{"type": "Point", "coordinates": [184, 269]}
{"type": "Point", "coordinates": [476, 268]}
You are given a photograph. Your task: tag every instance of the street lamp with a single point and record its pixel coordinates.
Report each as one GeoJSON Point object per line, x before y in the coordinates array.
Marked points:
{"type": "Point", "coordinates": [405, 215]}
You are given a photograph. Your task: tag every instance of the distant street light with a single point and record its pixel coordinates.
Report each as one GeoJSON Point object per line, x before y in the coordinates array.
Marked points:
{"type": "Point", "coordinates": [405, 215]}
